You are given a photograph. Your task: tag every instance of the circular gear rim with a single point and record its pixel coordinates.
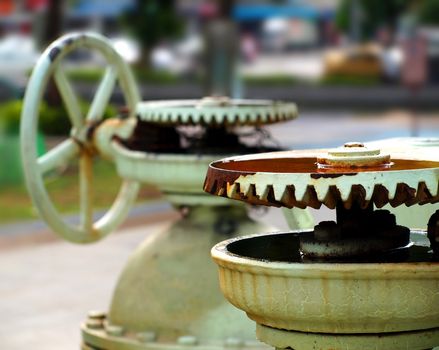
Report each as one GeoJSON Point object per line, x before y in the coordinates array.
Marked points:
{"type": "Point", "coordinates": [230, 112]}
{"type": "Point", "coordinates": [283, 189]}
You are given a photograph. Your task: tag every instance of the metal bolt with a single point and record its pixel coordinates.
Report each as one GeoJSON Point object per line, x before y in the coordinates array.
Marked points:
{"type": "Point", "coordinates": [114, 330]}
{"type": "Point", "coordinates": [94, 323]}
{"type": "Point", "coordinates": [187, 340]}
{"type": "Point", "coordinates": [146, 337]}
{"type": "Point", "coordinates": [96, 315]}
{"type": "Point", "coordinates": [233, 342]}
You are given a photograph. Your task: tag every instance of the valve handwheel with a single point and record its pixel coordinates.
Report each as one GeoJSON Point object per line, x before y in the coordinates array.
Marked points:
{"type": "Point", "coordinates": [80, 143]}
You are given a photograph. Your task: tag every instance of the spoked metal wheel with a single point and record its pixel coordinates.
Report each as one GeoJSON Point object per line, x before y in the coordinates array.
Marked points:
{"type": "Point", "coordinates": [80, 143]}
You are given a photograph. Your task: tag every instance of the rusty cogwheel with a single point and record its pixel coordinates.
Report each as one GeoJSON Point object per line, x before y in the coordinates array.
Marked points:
{"type": "Point", "coordinates": [216, 111]}
{"type": "Point", "coordinates": [352, 174]}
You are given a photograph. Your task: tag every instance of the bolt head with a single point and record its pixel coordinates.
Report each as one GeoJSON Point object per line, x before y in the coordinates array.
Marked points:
{"type": "Point", "coordinates": [94, 324]}
{"type": "Point", "coordinates": [96, 315]}
{"type": "Point", "coordinates": [114, 330]}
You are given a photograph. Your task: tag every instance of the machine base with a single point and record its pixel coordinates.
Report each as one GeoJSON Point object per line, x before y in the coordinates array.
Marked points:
{"type": "Point", "coordinates": [168, 296]}
{"type": "Point", "coordinates": [283, 339]}
{"type": "Point", "coordinates": [99, 339]}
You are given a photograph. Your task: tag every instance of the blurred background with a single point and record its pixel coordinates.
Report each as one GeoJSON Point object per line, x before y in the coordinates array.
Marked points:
{"type": "Point", "coordinates": [358, 69]}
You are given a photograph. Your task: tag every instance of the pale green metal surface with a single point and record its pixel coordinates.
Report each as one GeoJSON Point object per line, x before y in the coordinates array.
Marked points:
{"type": "Point", "coordinates": [169, 288]}
{"type": "Point", "coordinates": [78, 145]}
{"type": "Point", "coordinates": [353, 298]}
{"type": "Point", "coordinates": [280, 339]}
{"type": "Point", "coordinates": [414, 216]}
{"type": "Point", "coordinates": [179, 177]}
{"type": "Point", "coordinates": [216, 110]}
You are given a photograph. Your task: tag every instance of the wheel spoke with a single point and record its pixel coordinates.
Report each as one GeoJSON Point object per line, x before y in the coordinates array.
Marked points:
{"type": "Point", "coordinates": [103, 95]}
{"type": "Point", "coordinates": [70, 101]}
{"type": "Point", "coordinates": [58, 156]}
{"type": "Point", "coordinates": [86, 192]}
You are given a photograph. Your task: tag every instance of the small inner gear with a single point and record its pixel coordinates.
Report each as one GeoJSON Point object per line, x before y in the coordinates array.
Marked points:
{"type": "Point", "coordinates": [354, 155]}
{"type": "Point", "coordinates": [358, 232]}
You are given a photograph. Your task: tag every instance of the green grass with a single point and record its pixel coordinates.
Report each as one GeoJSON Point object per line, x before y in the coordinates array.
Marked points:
{"type": "Point", "coordinates": [271, 80]}
{"type": "Point", "coordinates": [348, 80]}
{"type": "Point", "coordinates": [63, 189]}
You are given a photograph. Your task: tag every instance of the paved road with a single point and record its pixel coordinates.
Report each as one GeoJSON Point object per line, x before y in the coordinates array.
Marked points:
{"type": "Point", "coordinates": [47, 290]}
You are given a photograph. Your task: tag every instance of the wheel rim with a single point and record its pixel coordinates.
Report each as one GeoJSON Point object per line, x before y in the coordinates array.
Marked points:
{"type": "Point", "coordinates": [79, 144]}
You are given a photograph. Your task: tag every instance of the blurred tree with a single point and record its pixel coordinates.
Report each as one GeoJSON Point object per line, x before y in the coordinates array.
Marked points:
{"type": "Point", "coordinates": [54, 21]}
{"type": "Point", "coordinates": [151, 21]}
{"type": "Point", "coordinates": [429, 12]}
{"type": "Point", "coordinates": [371, 15]}
{"type": "Point", "coordinates": [52, 29]}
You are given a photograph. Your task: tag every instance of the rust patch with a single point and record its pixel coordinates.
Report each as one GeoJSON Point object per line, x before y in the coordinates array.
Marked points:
{"type": "Point", "coordinates": [217, 179]}
{"type": "Point", "coordinates": [53, 54]}
{"type": "Point", "coordinates": [330, 175]}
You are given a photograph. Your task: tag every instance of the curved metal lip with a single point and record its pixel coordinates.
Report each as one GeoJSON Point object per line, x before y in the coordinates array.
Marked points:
{"type": "Point", "coordinates": [238, 112]}
{"type": "Point", "coordinates": [165, 157]}
{"type": "Point", "coordinates": [224, 258]}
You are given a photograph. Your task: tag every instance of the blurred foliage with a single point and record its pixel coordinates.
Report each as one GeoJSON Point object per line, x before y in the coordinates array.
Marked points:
{"type": "Point", "coordinates": [346, 80]}
{"type": "Point", "coordinates": [63, 188]}
{"type": "Point", "coordinates": [429, 12]}
{"type": "Point", "coordinates": [152, 21]}
{"type": "Point", "coordinates": [271, 80]}
{"type": "Point", "coordinates": [374, 15]}
{"type": "Point", "coordinates": [52, 120]}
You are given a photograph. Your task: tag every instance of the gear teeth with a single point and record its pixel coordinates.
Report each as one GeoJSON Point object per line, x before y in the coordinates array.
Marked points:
{"type": "Point", "coordinates": [380, 196]}
{"type": "Point", "coordinates": [245, 189]}
{"type": "Point", "coordinates": [278, 192]}
{"type": "Point", "coordinates": [345, 193]}
{"type": "Point", "coordinates": [261, 191]}
{"type": "Point", "coordinates": [368, 189]}
{"type": "Point", "coordinates": [239, 112]}
{"type": "Point", "coordinates": [391, 189]}
{"type": "Point", "coordinates": [232, 190]}
{"type": "Point", "coordinates": [322, 192]}
{"type": "Point", "coordinates": [299, 192]}
{"type": "Point", "coordinates": [433, 187]}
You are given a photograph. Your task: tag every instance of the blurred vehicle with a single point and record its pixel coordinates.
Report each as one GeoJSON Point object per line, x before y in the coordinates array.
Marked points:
{"type": "Point", "coordinates": [180, 57]}
{"type": "Point", "coordinates": [17, 50]}
{"type": "Point", "coordinates": [18, 55]}
{"type": "Point", "coordinates": [360, 61]}
{"type": "Point", "coordinates": [128, 48]}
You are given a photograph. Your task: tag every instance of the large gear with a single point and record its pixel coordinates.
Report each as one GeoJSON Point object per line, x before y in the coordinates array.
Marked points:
{"type": "Point", "coordinates": [216, 111]}
{"type": "Point", "coordinates": [296, 179]}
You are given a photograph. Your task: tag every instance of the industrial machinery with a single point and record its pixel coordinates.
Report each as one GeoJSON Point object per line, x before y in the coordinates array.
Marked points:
{"type": "Point", "coordinates": [362, 281]}
{"type": "Point", "coordinates": [167, 296]}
